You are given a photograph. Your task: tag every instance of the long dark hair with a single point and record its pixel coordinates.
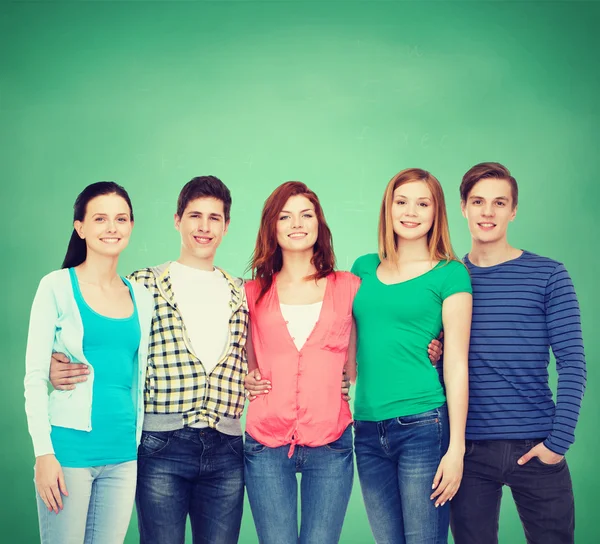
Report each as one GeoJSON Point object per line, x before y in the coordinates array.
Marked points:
{"type": "Point", "coordinates": [77, 249]}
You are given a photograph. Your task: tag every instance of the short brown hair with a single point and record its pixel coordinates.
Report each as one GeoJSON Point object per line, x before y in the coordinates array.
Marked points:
{"type": "Point", "coordinates": [487, 170]}
{"type": "Point", "coordinates": [204, 187]}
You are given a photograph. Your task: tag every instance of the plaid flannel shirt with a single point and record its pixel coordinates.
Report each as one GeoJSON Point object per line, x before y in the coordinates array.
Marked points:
{"type": "Point", "coordinates": [176, 381]}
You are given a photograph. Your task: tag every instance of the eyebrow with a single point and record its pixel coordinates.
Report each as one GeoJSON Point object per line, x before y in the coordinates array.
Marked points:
{"type": "Point", "coordinates": [301, 211]}
{"type": "Point", "coordinates": [214, 214]}
{"type": "Point", "coordinates": [420, 198]}
{"type": "Point", "coordinates": [495, 198]}
{"type": "Point", "coordinates": [106, 215]}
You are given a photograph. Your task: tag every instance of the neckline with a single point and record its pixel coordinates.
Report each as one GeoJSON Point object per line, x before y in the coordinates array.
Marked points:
{"type": "Point", "coordinates": [282, 318]}
{"type": "Point", "coordinates": [440, 263]}
{"type": "Point", "coordinates": [303, 305]}
{"type": "Point", "coordinates": [467, 260]}
{"type": "Point", "coordinates": [73, 273]}
{"type": "Point", "coordinates": [192, 270]}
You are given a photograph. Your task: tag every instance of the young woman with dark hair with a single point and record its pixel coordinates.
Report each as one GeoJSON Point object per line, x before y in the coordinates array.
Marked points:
{"type": "Point", "coordinates": [85, 440]}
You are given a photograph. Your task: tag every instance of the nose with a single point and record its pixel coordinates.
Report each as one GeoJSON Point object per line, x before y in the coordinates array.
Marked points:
{"type": "Point", "coordinates": [411, 209]}
{"type": "Point", "coordinates": [297, 222]}
{"type": "Point", "coordinates": [203, 224]}
{"type": "Point", "coordinates": [111, 226]}
{"type": "Point", "coordinates": [488, 210]}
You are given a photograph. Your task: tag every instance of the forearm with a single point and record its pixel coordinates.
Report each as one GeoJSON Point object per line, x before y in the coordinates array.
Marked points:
{"type": "Point", "coordinates": [251, 355]}
{"type": "Point", "coordinates": [350, 366]}
{"type": "Point", "coordinates": [571, 386]}
{"type": "Point", "coordinates": [456, 378]}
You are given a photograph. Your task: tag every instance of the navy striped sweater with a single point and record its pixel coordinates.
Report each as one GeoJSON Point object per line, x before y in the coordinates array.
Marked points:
{"type": "Point", "coordinates": [521, 308]}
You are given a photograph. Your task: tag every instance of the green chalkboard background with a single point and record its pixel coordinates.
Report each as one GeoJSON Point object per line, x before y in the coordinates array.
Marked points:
{"type": "Point", "coordinates": [340, 95]}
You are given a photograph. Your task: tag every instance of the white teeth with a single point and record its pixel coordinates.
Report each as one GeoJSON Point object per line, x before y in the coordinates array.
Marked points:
{"type": "Point", "coordinates": [297, 235]}
{"type": "Point", "coordinates": [110, 240]}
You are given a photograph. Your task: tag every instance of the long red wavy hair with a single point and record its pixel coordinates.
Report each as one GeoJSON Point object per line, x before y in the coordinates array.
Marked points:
{"type": "Point", "coordinates": [267, 258]}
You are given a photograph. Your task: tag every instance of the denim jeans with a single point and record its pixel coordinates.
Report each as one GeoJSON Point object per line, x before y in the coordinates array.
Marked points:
{"type": "Point", "coordinates": [543, 494]}
{"type": "Point", "coordinates": [397, 460]}
{"type": "Point", "coordinates": [327, 474]}
{"type": "Point", "coordinates": [195, 472]}
{"type": "Point", "coordinates": [97, 509]}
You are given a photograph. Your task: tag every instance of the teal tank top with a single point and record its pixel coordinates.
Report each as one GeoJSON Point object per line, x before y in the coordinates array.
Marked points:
{"type": "Point", "coordinates": [110, 345]}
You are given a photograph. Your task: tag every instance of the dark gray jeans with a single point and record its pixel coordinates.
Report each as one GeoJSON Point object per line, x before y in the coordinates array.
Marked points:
{"type": "Point", "coordinates": [543, 494]}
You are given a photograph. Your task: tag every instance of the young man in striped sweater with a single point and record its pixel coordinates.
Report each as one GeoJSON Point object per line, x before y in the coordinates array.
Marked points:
{"type": "Point", "coordinates": [516, 436]}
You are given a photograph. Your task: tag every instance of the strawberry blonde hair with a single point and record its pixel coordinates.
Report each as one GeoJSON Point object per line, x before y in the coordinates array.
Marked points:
{"type": "Point", "coordinates": [267, 258]}
{"type": "Point", "coordinates": [438, 237]}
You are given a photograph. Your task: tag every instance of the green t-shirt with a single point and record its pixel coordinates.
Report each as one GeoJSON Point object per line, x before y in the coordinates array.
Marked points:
{"type": "Point", "coordinates": [395, 324]}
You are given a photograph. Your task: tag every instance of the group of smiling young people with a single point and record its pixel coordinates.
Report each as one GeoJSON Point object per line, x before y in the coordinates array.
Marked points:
{"type": "Point", "coordinates": [150, 375]}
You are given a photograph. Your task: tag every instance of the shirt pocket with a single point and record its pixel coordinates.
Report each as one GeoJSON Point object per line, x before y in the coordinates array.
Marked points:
{"type": "Point", "coordinates": [338, 335]}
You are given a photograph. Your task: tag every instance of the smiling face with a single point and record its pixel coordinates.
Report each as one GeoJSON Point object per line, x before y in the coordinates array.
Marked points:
{"type": "Point", "coordinates": [297, 225]}
{"type": "Point", "coordinates": [489, 209]}
{"type": "Point", "coordinates": [202, 226]}
{"type": "Point", "coordinates": [106, 226]}
{"type": "Point", "coordinates": [412, 210]}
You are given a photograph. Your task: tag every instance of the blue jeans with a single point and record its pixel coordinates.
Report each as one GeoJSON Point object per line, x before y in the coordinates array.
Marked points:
{"type": "Point", "coordinates": [397, 460]}
{"type": "Point", "coordinates": [327, 474]}
{"type": "Point", "coordinates": [97, 509]}
{"type": "Point", "coordinates": [195, 472]}
{"type": "Point", "coordinates": [543, 494]}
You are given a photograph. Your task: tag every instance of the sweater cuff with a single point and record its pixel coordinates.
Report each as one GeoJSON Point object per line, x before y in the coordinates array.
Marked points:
{"type": "Point", "coordinates": [43, 446]}
{"type": "Point", "coordinates": [553, 447]}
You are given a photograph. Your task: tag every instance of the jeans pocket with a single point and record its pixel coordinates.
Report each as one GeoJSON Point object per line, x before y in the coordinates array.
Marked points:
{"type": "Point", "coordinates": [343, 444]}
{"type": "Point", "coordinates": [251, 446]}
{"type": "Point", "coordinates": [548, 466]}
{"type": "Point", "coordinates": [425, 418]}
{"type": "Point", "coordinates": [469, 447]}
{"type": "Point", "coordinates": [153, 442]}
{"type": "Point", "coordinates": [235, 444]}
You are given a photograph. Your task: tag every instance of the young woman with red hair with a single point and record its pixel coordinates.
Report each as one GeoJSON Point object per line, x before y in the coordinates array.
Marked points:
{"type": "Point", "coordinates": [300, 324]}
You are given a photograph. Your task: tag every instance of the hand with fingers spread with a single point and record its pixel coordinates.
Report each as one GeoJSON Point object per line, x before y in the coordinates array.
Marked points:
{"type": "Point", "coordinates": [50, 482]}
{"type": "Point", "coordinates": [255, 385]}
{"type": "Point", "coordinates": [64, 375]}
{"type": "Point", "coordinates": [448, 477]}
{"type": "Point", "coordinates": [435, 349]}
{"type": "Point", "coordinates": [546, 456]}
{"type": "Point", "coordinates": [345, 386]}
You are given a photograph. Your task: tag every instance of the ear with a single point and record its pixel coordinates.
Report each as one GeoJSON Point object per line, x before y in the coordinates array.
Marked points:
{"type": "Point", "coordinates": [226, 227]}
{"type": "Point", "coordinates": [463, 208]}
{"type": "Point", "coordinates": [513, 214]}
{"type": "Point", "coordinates": [177, 220]}
{"type": "Point", "coordinates": [78, 226]}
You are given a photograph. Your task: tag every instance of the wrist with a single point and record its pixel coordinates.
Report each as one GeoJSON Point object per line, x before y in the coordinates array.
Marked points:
{"type": "Point", "coordinates": [457, 449]}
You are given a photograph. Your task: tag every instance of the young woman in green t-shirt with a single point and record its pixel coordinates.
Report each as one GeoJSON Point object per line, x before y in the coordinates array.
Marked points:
{"type": "Point", "coordinates": [409, 443]}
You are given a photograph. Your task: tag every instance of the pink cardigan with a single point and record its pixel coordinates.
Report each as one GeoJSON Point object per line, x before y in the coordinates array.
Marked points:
{"type": "Point", "coordinates": [305, 404]}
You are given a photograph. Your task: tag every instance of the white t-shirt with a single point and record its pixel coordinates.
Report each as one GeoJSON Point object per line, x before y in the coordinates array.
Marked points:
{"type": "Point", "coordinates": [301, 320]}
{"type": "Point", "coordinates": [203, 299]}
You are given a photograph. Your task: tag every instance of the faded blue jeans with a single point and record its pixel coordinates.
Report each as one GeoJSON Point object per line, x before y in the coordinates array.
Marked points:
{"type": "Point", "coordinates": [96, 511]}
{"type": "Point", "coordinates": [397, 460]}
{"type": "Point", "coordinates": [195, 472]}
{"type": "Point", "coordinates": [327, 475]}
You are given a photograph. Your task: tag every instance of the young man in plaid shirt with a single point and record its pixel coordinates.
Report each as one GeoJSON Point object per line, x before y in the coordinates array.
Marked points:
{"type": "Point", "coordinates": [190, 460]}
